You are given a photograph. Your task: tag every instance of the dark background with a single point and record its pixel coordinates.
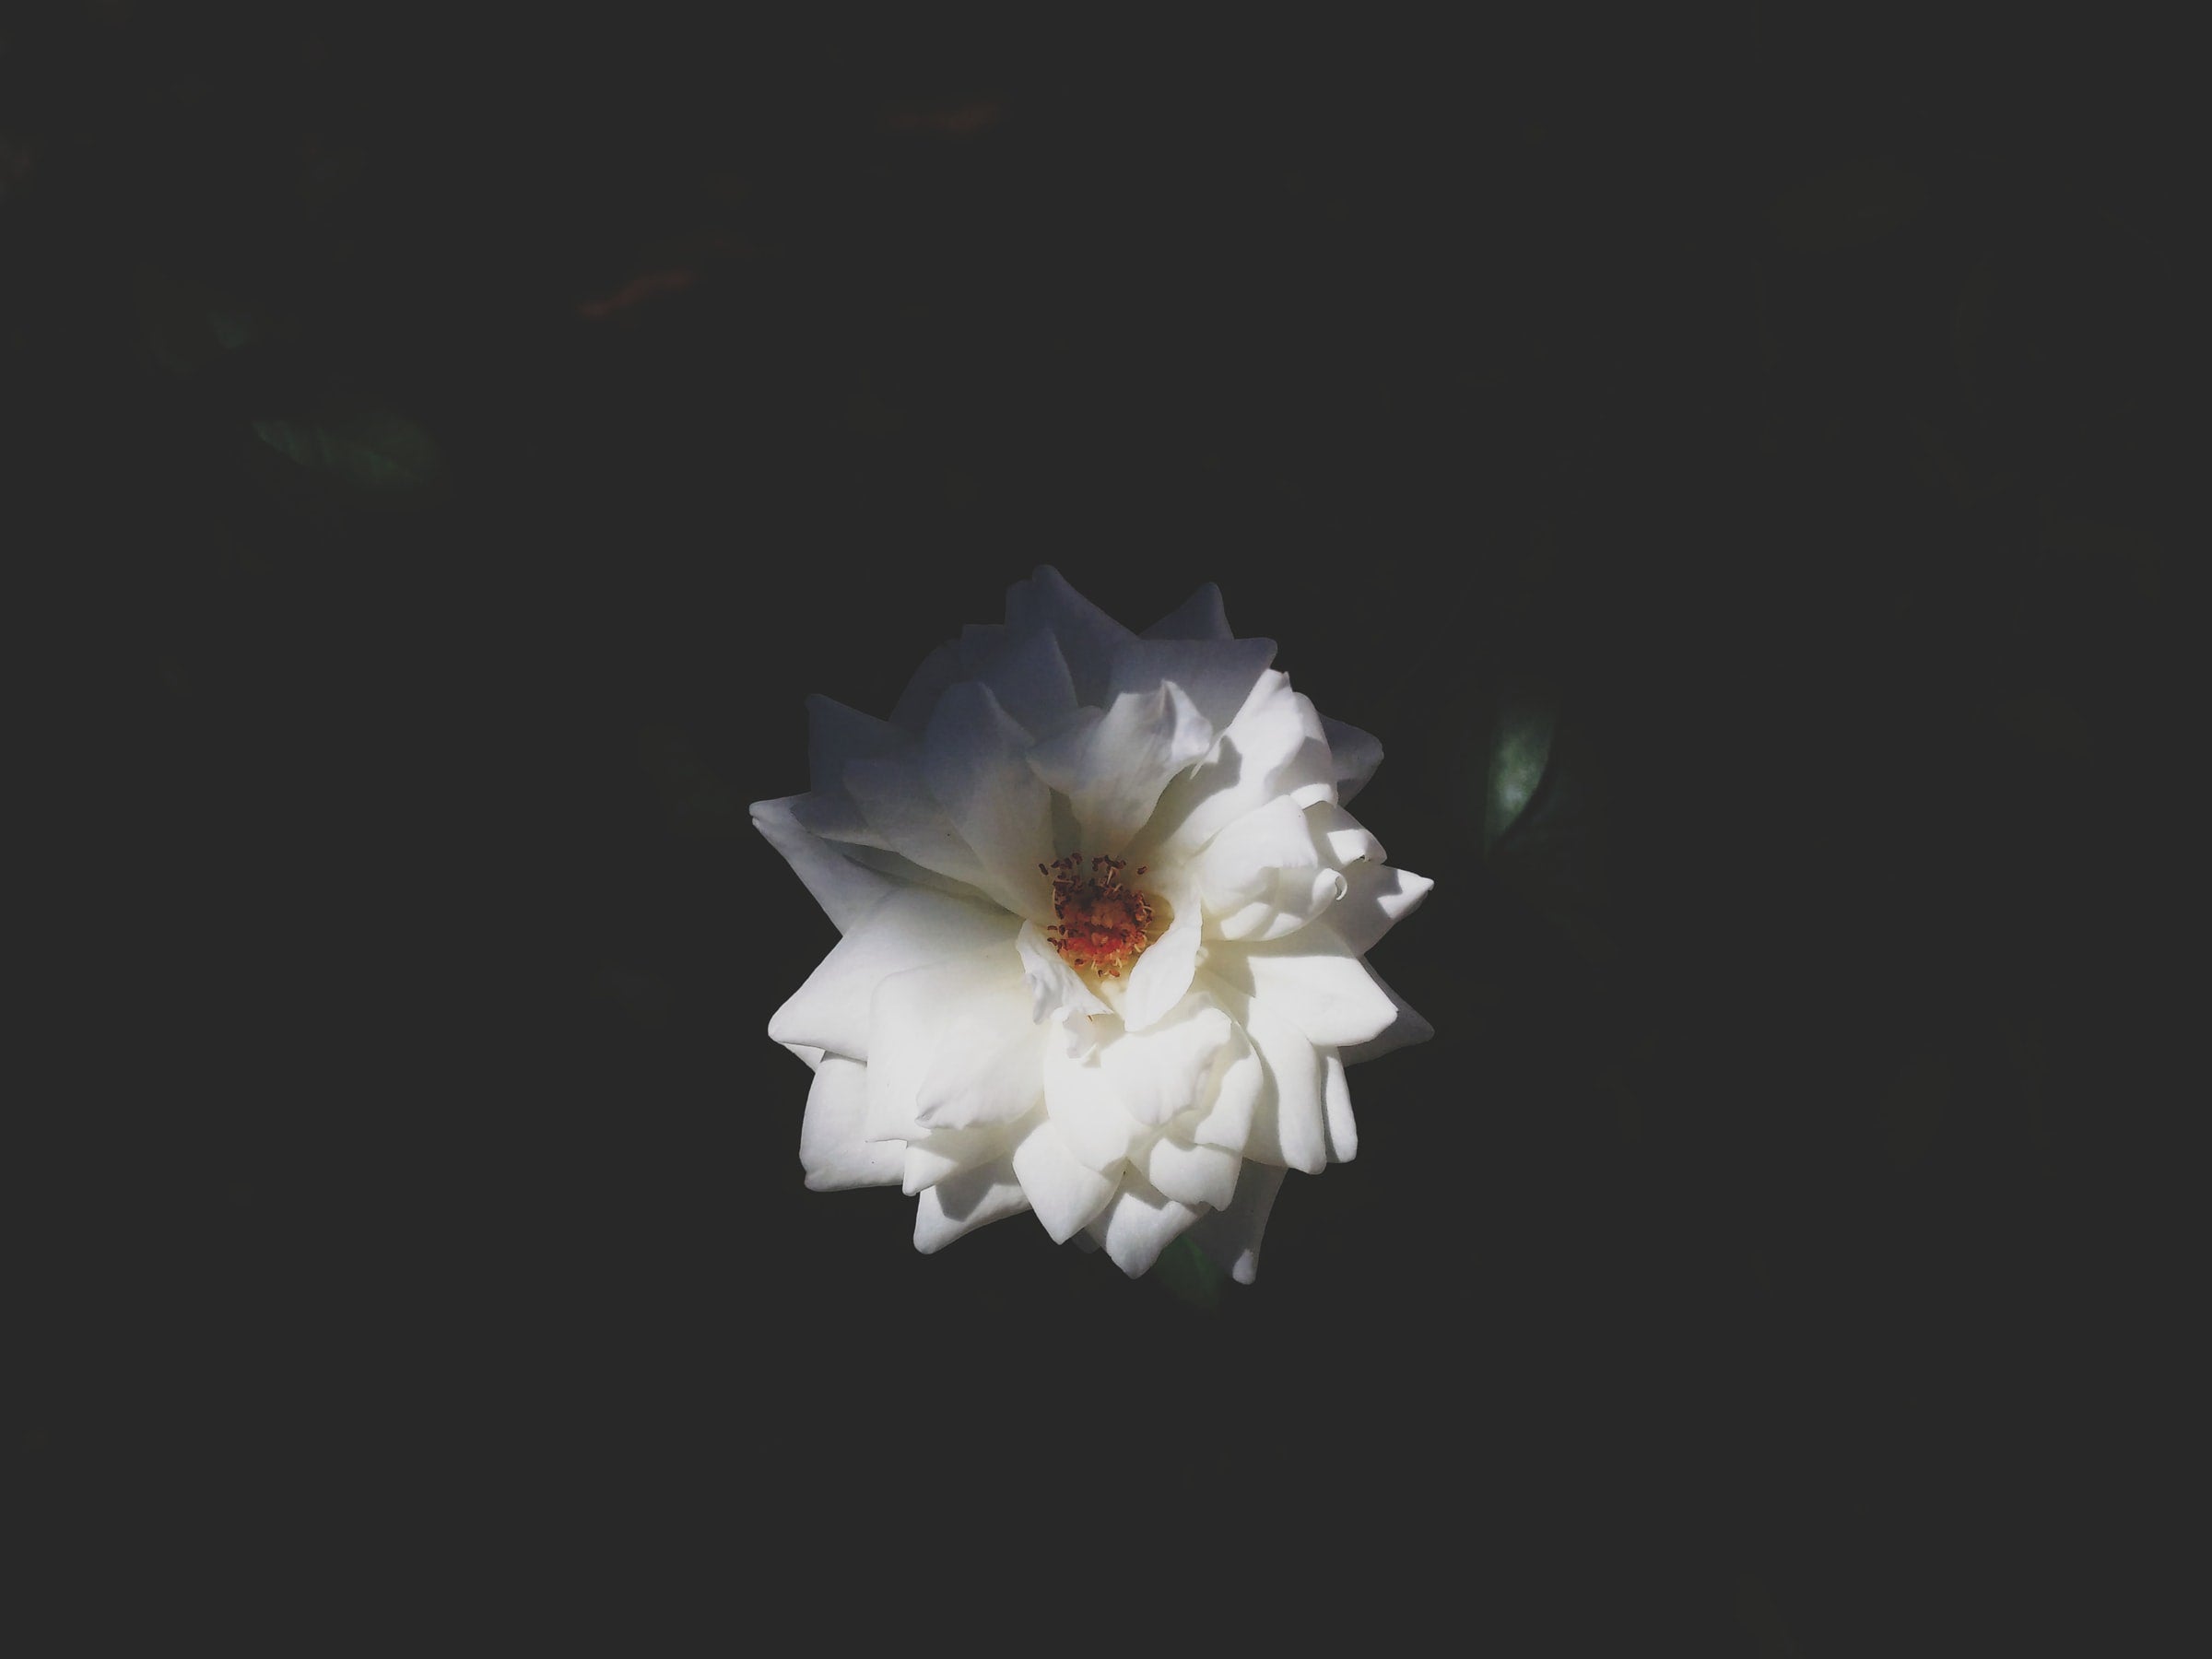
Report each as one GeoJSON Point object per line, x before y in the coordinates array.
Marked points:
{"type": "Point", "coordinates": [462, 444]}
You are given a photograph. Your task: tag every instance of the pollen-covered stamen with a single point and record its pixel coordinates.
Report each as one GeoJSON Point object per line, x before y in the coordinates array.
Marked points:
{"type": "Point", "coordinates": [1098, 923]}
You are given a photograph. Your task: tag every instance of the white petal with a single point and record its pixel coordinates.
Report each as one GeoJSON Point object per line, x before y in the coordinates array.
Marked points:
{"type": "Point", "coordinates": [1289, 1125]}
{"type": "Point", "coordinates": [1342, 837]}
{"type": "Point", "coordinates": [966, 1202]}
{"type": "Point", "coordinates": [989, 1064]}
{"type": "Point", "coordinates": [1063, 1191]}
{"type": "Point", "coordinates": [837, 735]}
{"type": "Point", "coordinates": [941, 1154]}
{"type": "Point", "coordinates": [894, 797]}
{"type": "Point", "coordinates": [1312, 979]}
{"type": "Point", "coordinates": [1162, 974]}
{"type": "Point", "coordinates": [979, 645]}
{"type": "Point", "coordinates": [942, 667]}
{"type": "Point", "coordinates": [1201, 617]}
{"type": "Point", "coordinates": [846, 890]}
{"type": "Point", "coordinates": [830, 1148]}
{"type": "Point", "coordinates": [1030, 677]}
{"type": "Point", "coordinates": [974, 761]}
{"type": "Point", "coordinates": [1167, 1070]}
{"type": "Point", "coordinates": [1376, 897]}
{"type": "Point", "coordinates": [1285, 902]}
{"type": "Point", "coordinates": [1087, 635]}
{"type": "Point", "coordinates": [834, 814]}
{"type": "Point", "coordinates": [1189, 1173]}
{"type": "Point", "coordinates": [1407, 1028]}
{"type": "Point", "coordinates": [1055, 987]}
{"type": "Point", "coordinates": [908, 1017]}
{"type": "Point", "coordinates": [1272, 747]}
{"type": "Point", "coordinates": [1232, 1236]}
{"type": "Point", "coordinates": [1112, 767]}
{"type": "Point", "coordinates": [1141, 1223]}
{"type": "Point", "coordinates": [912, 926]}
{"type": "Point", "coordinates": [1080, 1100]}
{"type": "Point", "coordinates": [1263, 876]}
{"type": "Point", "coordinates": [1273, 835]}
{"type": "Point", "coordinates": [1215, 675]}
{"type": "Point", "coordinates": [1239, 1079]}
{"type": "Point", "coordinates": [837, 818]}
{"type": "Point", "coordinates": [1337, 1104]}
{"type": "Point", "coordinates": [1356, 753]}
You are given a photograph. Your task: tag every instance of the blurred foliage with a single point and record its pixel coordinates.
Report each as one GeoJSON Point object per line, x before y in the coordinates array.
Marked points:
{"type": "Point", "coordinates": [1519, 748]}
{"type": "Point", "coordinates": [1739, 463]}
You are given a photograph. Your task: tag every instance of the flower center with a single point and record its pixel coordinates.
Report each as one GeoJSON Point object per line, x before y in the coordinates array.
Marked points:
{"type": "Point", "coordinates": [1099, 924]}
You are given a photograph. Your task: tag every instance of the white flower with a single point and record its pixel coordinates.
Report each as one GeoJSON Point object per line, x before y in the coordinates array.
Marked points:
{"type": "Point", "coordinates": [1104, 917]}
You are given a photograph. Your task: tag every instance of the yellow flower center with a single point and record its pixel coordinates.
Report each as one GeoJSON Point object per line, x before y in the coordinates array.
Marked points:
{"type": "Point", "coordinates": [1098, 922]}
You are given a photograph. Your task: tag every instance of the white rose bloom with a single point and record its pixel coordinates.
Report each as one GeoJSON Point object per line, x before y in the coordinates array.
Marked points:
{"type": "Point", "coordinates": [1104, 917]}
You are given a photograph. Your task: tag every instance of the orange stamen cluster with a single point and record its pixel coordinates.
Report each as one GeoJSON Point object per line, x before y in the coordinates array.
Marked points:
{"type": "Point", "coordinates": [1100, 923]}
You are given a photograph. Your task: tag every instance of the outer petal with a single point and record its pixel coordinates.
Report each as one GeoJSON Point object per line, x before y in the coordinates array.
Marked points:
{"type": "Point", "coordinates": [1342, 839]}
{"type": "Point", "coordinates": [1201, 617]}
{"type": "Point", "coordinates": [939, 670]}
{"type": "Point", "coordinates": [1167, 1070]}
{"type": "Point", "coordinates": [1190, 1173]}
{"type": "Point", "coordinates": [1080, 1100]}
{"type": "Point", "coordinates": [1215, 675]}
{"type": "Point", "coordinates": [966, 1202]}
{"type": "Point", "coordinates": [941, 1154]}
{"type": "Point", "coordinates": [1239, 1079]}
{"type": "Point", "coordinates": [1063, 1191]}
{"type": "Point", "coordinates": [973, 759]}
{"type": "Point", "coordinates": [988, 1067]}
{"type": "Point", "coordinates": [1273, 835]}
{"type": "Point", "coordinates": [1286, 901]}
{"type": "Point", "coordinates": [1337, 1103]}
{"type": "Point", "coordinates": [1112, 767]}
{"type": "Point", "coordinates": [838, 735]}
{"type": "Point", "coordinates": [1263, 876]}
{"type": "Point", "coordinates": [1356, 753]}
{"type": "Point", "coordinates": [1274, 747]}
{"type": "Point", "coordinates": [894, 797]}
{"type": "Point", "coordinates": [979, 994]}
{"type": "Point", "coordinates": [1289, 1126]}
{"type": "Point", "coordinates": [1376, 897]}
{"type": "Point", "coordinates": [830, 1148]}
{"type": "Point", "coordinates": [912, 927]}
{"type": "Point", "coordinates": [1311, 979]}
{"type": "Point", "coordinates": [1232, 1236]}
{"type": "Point", "coordinates": [1141, 1223]}
{"type": "Point", "coordinates": [1407, 1028]}
{"type": "Point", "coordinates": [837, 819]}
{"type": "Point", "coordinates": [1087, 635]}
{"type": "Point", "coordinates": [1030, 677]}
{"type": "Point", "coordinates": [846, 890]}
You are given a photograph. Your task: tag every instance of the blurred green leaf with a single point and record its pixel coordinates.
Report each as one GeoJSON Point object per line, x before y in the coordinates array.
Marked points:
{"type": "Point", "coordinates": [1193, 1277]}
{"type": "Point", "coordinates": [1519, 750]}
{"type": "Point", "coordinates": [371, 448]}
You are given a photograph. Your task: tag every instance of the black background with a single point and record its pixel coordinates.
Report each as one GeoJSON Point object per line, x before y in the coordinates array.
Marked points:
{"type": "Point", "coordinates": [1792, 405]}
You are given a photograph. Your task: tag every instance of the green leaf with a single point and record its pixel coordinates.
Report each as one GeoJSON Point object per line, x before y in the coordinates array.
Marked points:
{"type": "Point", "coordinates": [371, 448]}
{"type": "Point", "coordinates": [1193, 1277]}
{"type": "Point", "coordinates": [1519, 750]}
